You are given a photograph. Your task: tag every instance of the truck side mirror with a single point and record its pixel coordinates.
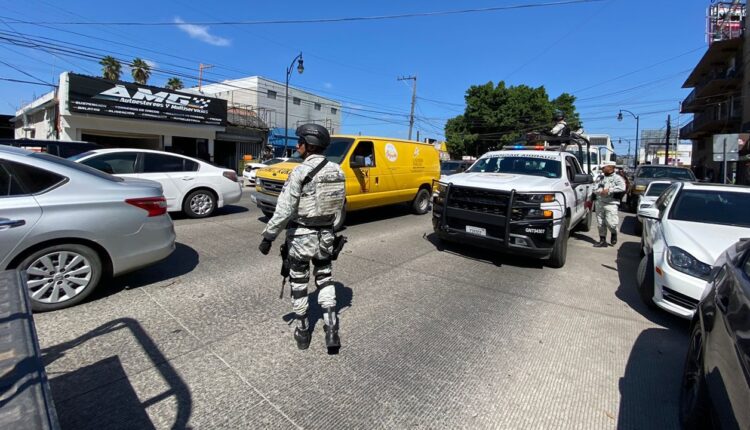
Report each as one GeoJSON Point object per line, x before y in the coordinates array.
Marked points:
{"type": "Point", "coordinates": [583, 178]}
{"type": "Point", "coordinates": [357, 161]}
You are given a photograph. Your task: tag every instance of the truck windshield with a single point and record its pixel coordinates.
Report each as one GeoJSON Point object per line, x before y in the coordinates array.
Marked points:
{"type": "Point", "coordinates": [337, 150]}
{"type": "Point", "coordinates": [521, 165]}
{"type": "Point", "coordinates": [665, 172]}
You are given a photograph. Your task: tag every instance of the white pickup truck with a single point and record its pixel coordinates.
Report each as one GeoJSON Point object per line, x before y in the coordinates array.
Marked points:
{"type": "Point", "coordinates": [525, 201]}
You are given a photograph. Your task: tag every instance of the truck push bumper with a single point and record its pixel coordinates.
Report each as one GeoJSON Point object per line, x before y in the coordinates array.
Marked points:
{"type": "Point", "coordinates": [492, 219]}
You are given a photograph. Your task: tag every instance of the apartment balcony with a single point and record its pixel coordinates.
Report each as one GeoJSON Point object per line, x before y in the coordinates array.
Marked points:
{"type": "Point", "coordinates": [707, 124]}
{"type": "Point", "coordinates": [720, 52]}
{"type": "Point", "coordinates": [717, 87]}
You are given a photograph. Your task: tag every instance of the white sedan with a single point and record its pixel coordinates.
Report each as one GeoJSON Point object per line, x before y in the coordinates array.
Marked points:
{"type": "Point", "coordinates": [684, 232]}
{"type": "Point", "coordinates": [647, 199]}
{"type": "Point", "coordinates": [190, 185]}
{"type": "Point", "coordinates": [248, 174]}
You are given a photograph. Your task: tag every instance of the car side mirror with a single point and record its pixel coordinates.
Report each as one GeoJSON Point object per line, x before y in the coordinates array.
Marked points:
{"type": "Point", "coordinates": [357, 161]}
{"type": "Point", "coordinates": [650, 213]}
{"type": "Point", "coordinates": [583, 178]}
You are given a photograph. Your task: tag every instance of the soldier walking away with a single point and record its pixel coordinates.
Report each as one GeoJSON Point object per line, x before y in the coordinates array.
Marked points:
{"type": "Point", "coordinates": [312, 196]}
{"type": "Point", "coordinates": [608, 191]}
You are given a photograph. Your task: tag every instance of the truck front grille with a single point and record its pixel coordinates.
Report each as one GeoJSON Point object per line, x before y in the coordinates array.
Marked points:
{"type": "Point", "coordinates": [477, 200]}
{"type": "Point", "coordinates": [269, 186]}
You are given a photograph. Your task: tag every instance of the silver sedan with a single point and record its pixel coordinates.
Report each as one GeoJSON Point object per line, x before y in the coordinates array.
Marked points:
{"type": "Point", "coordinates": [68, 225]}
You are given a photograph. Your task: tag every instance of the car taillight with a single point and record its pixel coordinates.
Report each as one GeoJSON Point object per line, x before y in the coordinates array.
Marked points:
{"type": "Point", "coordinates": [155, 206]}
{"type": "Point", "coordinates": [231, 175]}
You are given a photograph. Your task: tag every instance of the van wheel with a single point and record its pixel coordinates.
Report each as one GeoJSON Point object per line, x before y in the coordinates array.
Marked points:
{"type": "Point", "coordinates": [560, 250]}
{"type": "Point", "coordinates": [421, 203]}
{"type": "Point", "coordinates": [61, 276]}
{"type": "Point", "coordinates": [338, 221]}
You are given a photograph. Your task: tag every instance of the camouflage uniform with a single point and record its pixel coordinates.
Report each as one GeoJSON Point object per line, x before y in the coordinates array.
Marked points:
{"type": "Point", "coordinates": [309, 235]}
{"type": "Point", "coordinates": [606, 206]}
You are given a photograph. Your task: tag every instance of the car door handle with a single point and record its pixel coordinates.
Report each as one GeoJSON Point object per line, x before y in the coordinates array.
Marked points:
{"type": "Point", "coordinates": [187, 178]}
{"type": "Point", "coordinates": [377, 180]}
{"type": "Point", "coordinates": [11, 223]}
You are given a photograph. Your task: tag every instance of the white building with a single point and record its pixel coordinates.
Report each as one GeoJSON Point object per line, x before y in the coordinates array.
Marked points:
{"type": "Point", "coordinates": [268, 98]}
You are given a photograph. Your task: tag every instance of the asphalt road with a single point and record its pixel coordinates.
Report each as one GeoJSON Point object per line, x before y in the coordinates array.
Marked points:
{"type": "Point", "coordinates": [433, 337]}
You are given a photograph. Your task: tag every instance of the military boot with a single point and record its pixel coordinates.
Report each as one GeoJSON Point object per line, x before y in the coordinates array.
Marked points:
{"type": "Point", "coordinates": [602, 242]}
{"type": "Point", "coordinates": [613, 240]}
{"type": "Point", "coordinates": [331, 327]}
{"type": "Point", "coordinates": [302, 332]}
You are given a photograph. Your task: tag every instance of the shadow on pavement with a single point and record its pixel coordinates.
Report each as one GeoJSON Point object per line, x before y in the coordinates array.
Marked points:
{"type": "Point", "coordinates": [583, 237]}
{"type": "Point", "coordinates": [100, 395]}
{"type": "Point", "coordinates": [627, 268]}
{"type": "Point", "coordinates": [628, 225]}
{"type": "Point", "coordinates": [482, 254]}
{"type": "Point", "coordinates": [182, 261]}
{"type": "Point", "coordinates": [650, 388]}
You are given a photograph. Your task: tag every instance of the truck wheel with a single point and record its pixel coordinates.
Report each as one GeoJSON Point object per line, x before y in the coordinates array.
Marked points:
{"type": "Point", "coordinates": [645, 278]}
{"type": "Point", "coordinates": [560, 250]}
{"type": "Point", "coordinates": [421, 203]}
{"type": "Point", "coordinates": [585, 224]}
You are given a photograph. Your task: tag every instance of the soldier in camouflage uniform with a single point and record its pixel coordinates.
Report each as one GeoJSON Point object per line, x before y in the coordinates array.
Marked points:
{"type": "Point", "coordinates": [608, 191]}
{"type": "Point", "coordinates": [307, 206]}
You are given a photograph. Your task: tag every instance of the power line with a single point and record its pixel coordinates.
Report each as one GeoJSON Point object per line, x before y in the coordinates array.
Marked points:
{"type": "Point", "coordinates": [323, 20]}
{"type": "Point", "coordinates": [21, 81]}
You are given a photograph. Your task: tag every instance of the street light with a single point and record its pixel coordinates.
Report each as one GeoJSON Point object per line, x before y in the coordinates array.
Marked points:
{"type": "Point", "coordinates": [300, 69]}
{"type": "Point", "coordinates": [637, 130]}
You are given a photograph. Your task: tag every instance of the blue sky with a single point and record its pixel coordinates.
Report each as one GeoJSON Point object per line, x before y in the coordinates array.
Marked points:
{"type": "Point", "coordinates": [614, 54]}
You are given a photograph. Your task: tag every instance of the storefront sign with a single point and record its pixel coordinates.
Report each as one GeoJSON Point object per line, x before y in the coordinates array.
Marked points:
{"type": "Point", "coordinates": [128, 100]}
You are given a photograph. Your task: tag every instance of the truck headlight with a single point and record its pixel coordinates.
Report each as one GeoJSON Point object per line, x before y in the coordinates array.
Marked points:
{"type": "Point", "coordinates": [536, 198]}
{"type": "Point", "coordinates": [681, 260]}
{"type": "Point", "coordinates": [640, 187]}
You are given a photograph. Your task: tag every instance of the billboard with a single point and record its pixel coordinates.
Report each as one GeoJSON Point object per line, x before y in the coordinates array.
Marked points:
{"type": "Point", "coordinates": [98, 96]}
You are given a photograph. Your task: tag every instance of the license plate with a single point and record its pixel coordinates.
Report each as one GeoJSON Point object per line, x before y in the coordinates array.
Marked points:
{"type": "Point", "coordinates": [479, 231]}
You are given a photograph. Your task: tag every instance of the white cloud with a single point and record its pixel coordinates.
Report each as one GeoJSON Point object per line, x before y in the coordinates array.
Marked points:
{"type": "Point", "coordinates": [201, 33]}
{"type": "Point", "coordinates": [152, 64]}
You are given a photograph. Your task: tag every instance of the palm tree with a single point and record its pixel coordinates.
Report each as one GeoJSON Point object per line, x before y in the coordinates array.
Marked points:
{"type": "Point", "coordinates": [175, 84]}
{"type": "Point", "coordinates": [111, 68]}
{"type": "Point", "coordinates": [140, 70]}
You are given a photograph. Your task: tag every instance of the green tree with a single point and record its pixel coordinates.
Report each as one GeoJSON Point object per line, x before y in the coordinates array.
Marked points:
{"type": "Point", "coordinates": [175, 84]}
{"type": "Point", "coordinates": [140, 70]}
{"type": "Point", "coordinates": [111, 68]}
{"type": "Point", "coordinates": [497, 114]}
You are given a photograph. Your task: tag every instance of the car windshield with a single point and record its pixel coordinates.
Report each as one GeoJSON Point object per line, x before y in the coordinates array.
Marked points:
{"type": "Point", "coordinates": [666, 172]}
{"type": "Point", "coordinates": [76, 166]}
{"type": "Point", "coordinates": [712, 207]}
{"type": "Point", "coordinates": [337, 150]}
{"type": "Point", "coordinates": [518, 164]}
{"type": "Point", "coordinates": [655, 190]}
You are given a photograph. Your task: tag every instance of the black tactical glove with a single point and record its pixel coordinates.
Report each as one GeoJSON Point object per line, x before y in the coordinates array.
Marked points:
{"type": "Point", "coordinates": [265, 246]}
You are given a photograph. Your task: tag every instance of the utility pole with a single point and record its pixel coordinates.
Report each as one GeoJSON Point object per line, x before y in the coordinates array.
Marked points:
{"type": "Point", "coordinates": [202, 66]}
{"type": "Point", "coordinates": [413, 99]}
{"type": "Point", "coordinates": [669, 131]}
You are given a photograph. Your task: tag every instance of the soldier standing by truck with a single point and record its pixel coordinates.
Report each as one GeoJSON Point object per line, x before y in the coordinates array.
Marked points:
{"type": "Point", "coordinates": [608, 191]}
{"type": "Point", "coordinates": [307, 205]}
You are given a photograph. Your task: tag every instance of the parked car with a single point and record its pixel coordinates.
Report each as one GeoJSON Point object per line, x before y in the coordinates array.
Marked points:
{"type": "Point", "coordinates": [686, 230]}
{"type": "Point", "coordinates": [61, 148]}
{"type": "Point", "coordinates": [451, 167]}
{"type": "Point", "coordinates": [251, 169]}
{"type": "Point", "coordinates": [716, 378]}
{"type": "Point", "coordinates": [190, 185]}
{"type": "Point", "coordinates": [646, 173]}
{"type": "Point", "coordinates": [647, 199]}
{"type": "Point", "coordinates": [68, 225]}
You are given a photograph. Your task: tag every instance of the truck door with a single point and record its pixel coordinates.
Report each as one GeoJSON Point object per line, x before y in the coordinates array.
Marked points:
{"type": "Point", "coordinates": [581, 191]}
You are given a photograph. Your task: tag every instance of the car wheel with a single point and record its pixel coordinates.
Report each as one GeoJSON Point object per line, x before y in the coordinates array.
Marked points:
{"type": "Point", "coordinates": [585, 224]}
{"type": "Point", "coordinates": [560, 250]}
{"type": "Point", "coordinates": [645, 278]}
{"type": "Point", "coordinates": [421, 203]}
{"type": "Point", "coordinates": [199, 204]}
{"type": "Point", "coordinates": [338, 221]}
{"type": "Point", "coordinates": [695, 407]}
{"type": "Point", "coordinates": [60, 276]}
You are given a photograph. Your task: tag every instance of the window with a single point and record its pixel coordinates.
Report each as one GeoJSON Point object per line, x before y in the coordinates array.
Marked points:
{"type": "Point", "coordinates": [655, 190]}
{"type": "Point", "coordinates": [334, 111]}
{"type": "Point", "coordinates": [337, 149]}
{"type": "Point", "coordinates": [663, 201]}
{"type": "Point", "coordinates": [161, 163]}
{"type": "Point", "coordinates": [271, 94]}
{"type": "Point", "coordinates": [665, 172]}
{"type": "Point", "coordinates": [317, 106]}
{"type": "Point", "coordinates": [75, 166]}
{"type": "Point", "coordinates": [366, 150]}
{"type": "Point", "coordinates": [712, 207]}
{"type": "Point", "coordinates": [517, 164]}
{"type": "Point", "coordinates": [296, 100]}
{"type": "Point", "coordinates": [9, 185]}
{"type": "Point", "coordinates": [18, 179]}
{"type": "Point", "coordinates": [117, 163]}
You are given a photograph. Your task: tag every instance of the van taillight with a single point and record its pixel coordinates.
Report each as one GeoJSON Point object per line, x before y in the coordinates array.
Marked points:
{"type": "Point", "coordinates": [155, 206]}
{"type": "Point", "coordinates": [231, 175]}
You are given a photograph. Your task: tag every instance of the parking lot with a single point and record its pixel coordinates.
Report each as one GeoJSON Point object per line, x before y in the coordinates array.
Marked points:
{"type": "Point", "coordinates": [433, 336]}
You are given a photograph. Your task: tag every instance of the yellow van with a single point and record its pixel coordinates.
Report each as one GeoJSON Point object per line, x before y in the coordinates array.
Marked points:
{"type": "Point", "coordinates": [379, 171]}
